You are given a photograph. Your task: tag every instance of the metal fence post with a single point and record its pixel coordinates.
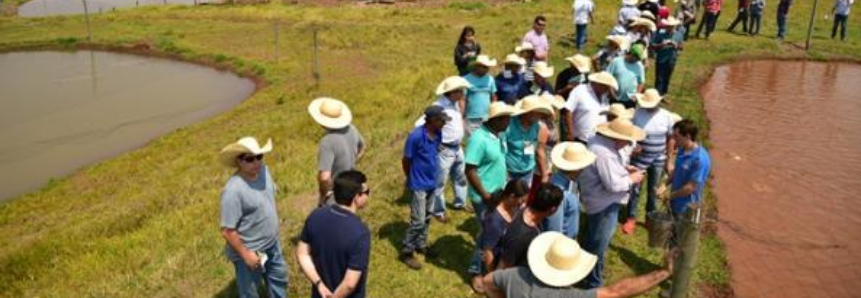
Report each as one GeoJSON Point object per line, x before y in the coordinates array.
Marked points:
{"type": "Point", "coordinates": [810, 26]}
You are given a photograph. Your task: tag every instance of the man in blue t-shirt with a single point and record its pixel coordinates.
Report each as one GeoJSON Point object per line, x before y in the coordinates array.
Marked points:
{"type": "Point", "coordinates": [481, 93]}
{"type": "Point", "coordinates": [421, 167]}
{"type": "Point", "coordinates": [334, 247]}
{"type": "Point", "coordinates": [691, 169]}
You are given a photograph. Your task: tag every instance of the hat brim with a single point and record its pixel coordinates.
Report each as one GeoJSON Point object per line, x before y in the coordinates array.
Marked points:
{"type": "Point", "coordinates": [597, 79]}
{"type": "Point", "coordinates": [604, 129]}
{"type": "Point", "coordinates": [329, 122]}
{"type": "Point", "coordinates": [586, 68]}
{"type": "Point", "coordinates": [228, 154]}
{"type": "Point", "coordinates": [648, 104]}
{"type": "Point", "coordinates": [548, 274]}
{"type": "Point", "coordinates": [565, 165]}
{"type": "Point", "coordinates": [547, 73]}
{"type": "Point", "coordinates": [441, 89]}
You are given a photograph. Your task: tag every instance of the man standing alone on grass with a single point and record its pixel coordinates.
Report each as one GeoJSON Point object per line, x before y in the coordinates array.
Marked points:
{"type": "Point", "coordinates": [538, 38]}
{"type": "Point", "coordinates": [782, 16]}
{"type": "Point", "coordinates": [340, 148]}
{"type": "Point", "coordinates": [582, 18]}
{"type": "Point", "coordinates": [421, 168]}
{"type": "Point", "coordinates": [841, 14]}
{"type": "Point", "coordinates": [335, 246]}
{"type": "Point", "coordinates": [249, 220]}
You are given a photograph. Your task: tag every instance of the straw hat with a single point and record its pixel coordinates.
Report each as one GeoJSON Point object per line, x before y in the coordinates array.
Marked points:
{"type": "Point", "coordinates": [499, 109]}
{"type": "Point", "coordinates": [330, 113]}
{"type": "Point", "coordinates": [451, 84]}
{"type": "Point", "coordinates": [542, 69]}
{"type": "Point", "coordinates": [645, 22]}
{"type": "Point", "coordinates": [647, 14]}
{"type": "Point", "coordinates": [604, 78]}
{"type": "Point", "coordinates": [582, 63]}
{"type": "Point", "coordinates": [514, 59]}
{"type": "Point", "coordinates": [555, 101]}
{"type": "Point", "coordinates": [485, 60]}
{"type": "Point", "coordinates": [525, 46]}
{"type": "Point", "coordinates": [650, 99]}
{"type": "Point", "coordinates": [558, 261]}
{"type": "Point", "coordinates": [620, 41]}
{"type": "Point", "coordinates": [629, 2]}
{"type": "Point", "coordinates": [621, 129]}
{"type": "Point", "coordinates": [532, 103]}
{"type": "Point", "coordinates": [671, 22]}
{"type": "Point", "coordinates": [619, 110]}
{"type": "Point", "coordinates": [246, 145]}
{"type": "Point", "coordinates": [571, 156]}
{"type": "Point", "coordinates": [676, 117]}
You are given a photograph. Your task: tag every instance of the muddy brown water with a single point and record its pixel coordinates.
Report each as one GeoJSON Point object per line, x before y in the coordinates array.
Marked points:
{"type": "Point", "coordinates": [787, 172]}
{"type": "Point", "coordinates": [60, 111]}
{"type": "Point", "coordinates": [41, 8]}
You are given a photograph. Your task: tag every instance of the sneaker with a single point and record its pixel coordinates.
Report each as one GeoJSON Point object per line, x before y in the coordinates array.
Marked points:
{"type": "Point", "coordinates": [410, 260]}
{"type": "Point", "coordinates": [629, 226]}
{"type": "Point", "coordinates": [441, 218]}
{"type": "Point", "coordinates": [477, 284]}
{"type": "Point", "coordinates": [428, 252]}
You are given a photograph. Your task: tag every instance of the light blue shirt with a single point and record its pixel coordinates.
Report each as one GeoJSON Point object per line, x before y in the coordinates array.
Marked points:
{"type": "Point", "coordinates": [478, 95]}
{"type": "Point", "coordinates": [522, 144]}
{"type": "Point", "coordinates": [628, 75]}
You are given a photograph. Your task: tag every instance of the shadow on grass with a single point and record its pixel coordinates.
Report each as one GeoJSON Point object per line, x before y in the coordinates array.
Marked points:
{"type": "Point", "coordinates": [455, 253]}
{"type": "Point", "coordinates": [637, 263]}
{"type": "Point", "coordinates": [230, 291]}
{"type": "Point", "coordinates": [469, 226]}
{"type": "Point", "coordinates": [393, 231]}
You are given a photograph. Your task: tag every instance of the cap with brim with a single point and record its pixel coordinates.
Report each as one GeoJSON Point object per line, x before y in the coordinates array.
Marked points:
{"type": "Point", "coordinates": [621, 129]}
{"type": "Point", "coordinates": [451, 84]}
{"type": "Point", "coordinates": [246, 145]}
{"type": "Point", "coordinates": [500, 109]}
{"type": "Point", "coordinates": [330, 113]}
{"type": "Point", "coordinates": [514, 59]}
{"type": "Point", "coordinates": [532, 103]}
{"type": "Point", "coordinates": [542, 69]}
{"type": "Point", "coordinates": [604, 78]}
{"type": "Point", "coordinates": [620, 41]}
{"type": "Point", "coordinates": [650, 99]}
{"type": "Point", "coordinates": [436, 111]}
{"type": "Point", "coordinates": [571, 156]}
{"type": "Point", "coordinates": [620, 111]}
{"type": "Point", "coordinates": [558, 261]}
{"type": "Point", "coordinates": [638, 51]}
{"type": "Point", "coordinates": [582, 63]}
{"type": "Point", "coordinates": [484, 60]}
{"type": "Point", "coordinates": [526, 46]}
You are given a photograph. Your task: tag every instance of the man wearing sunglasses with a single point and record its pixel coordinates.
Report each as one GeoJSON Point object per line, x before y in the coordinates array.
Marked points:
{"type": "Point", "coordinates": [249, 220]}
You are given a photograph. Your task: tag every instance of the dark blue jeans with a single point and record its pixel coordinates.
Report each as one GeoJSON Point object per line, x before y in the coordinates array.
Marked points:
{"type": "Point", "coordinates": [839, 21]}
{"type": "Point", "coordinates": [781, 26]}
{"type": "Point", "coordinates": [663, 73]}
{"type": "Point", "coordinates": [754, 24]}
{"type": "Point", "coordinates": [596, 239]}
{"type": "Point", "coordinates": [581, 35]}
{"type": "Point", "coordinates": [709, 22]}
{"type": "Point", "coordinates": [274, 275]}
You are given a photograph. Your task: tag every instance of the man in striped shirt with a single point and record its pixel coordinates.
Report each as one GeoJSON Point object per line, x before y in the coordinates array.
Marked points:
{"type": "Point", "coordinates": [651, 153]}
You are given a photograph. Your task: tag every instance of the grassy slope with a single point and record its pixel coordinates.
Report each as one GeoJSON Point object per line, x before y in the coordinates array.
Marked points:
{"type": "Point", "coordinates": [146, 222]}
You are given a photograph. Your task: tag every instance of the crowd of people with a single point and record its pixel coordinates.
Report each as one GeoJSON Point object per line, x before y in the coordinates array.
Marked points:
{"type": "Point", "coordinates": [526, 155]}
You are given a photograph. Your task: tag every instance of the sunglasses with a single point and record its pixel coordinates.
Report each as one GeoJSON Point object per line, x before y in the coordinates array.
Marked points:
{"type": "Point", "coordinates": [251, 158]}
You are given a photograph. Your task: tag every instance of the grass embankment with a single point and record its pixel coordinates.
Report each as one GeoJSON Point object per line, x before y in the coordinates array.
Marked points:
{"type": "Point", "coordinates": [145, 223]}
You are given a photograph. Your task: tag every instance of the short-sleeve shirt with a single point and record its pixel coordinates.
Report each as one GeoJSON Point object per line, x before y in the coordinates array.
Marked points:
{"type": "Point", "coordinates": [626, 14]}
{"type": "Point", "coordinates": [658, 125]}
{"type": "Point", "coordinates": [249, 208]}
{"type": "Point", "coordinates": [339, 241]}
{"type": "Point", "coordinates": [521, 143]}
{"type": "Point", "coordinates": [492, 228]}
{"type": "Point", "coordinates": [586, 108]}
{"type": "Point", "coordinates": [519, 282]}
{"type": "Point", "coordinates": [338, 150]}
{"type": "Point", "coordinates": [628, 75]}
{"type": "Point", "coordinates": [694, 167]}
{"type": "Point", "coordinates": [539, 41]}
{"type": "Point", "coordinates": [841, 7]}
{"type": "Point", "coordinates": [512, 89]}
{"type": "Point", "coordinates": [422, 150]}
{"type": "Point", "coordinates": [668, 54]}
{"type": "Point", "coordinates": [514, 244]}
{"type": "Point", "coordinates": [783, 7]}
{"type": "Point", "coordinates": [478, 95]}
{"type": "Point", "coordinates": [486, 152]}
{"type": "Point", "coordinates": [582, 10]}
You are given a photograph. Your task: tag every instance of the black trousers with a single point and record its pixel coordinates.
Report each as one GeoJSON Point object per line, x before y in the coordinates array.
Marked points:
{"type": "Point", "coordinates": [740, 18]}
{"type": "Point", "coordinates": [709, 21]}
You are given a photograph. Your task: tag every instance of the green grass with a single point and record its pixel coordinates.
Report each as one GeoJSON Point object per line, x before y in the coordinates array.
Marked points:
{"type": "Point", "coordinates": [145, 223]}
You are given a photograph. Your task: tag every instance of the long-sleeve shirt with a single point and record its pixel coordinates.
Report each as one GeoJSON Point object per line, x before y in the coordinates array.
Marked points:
{"type": "Point", "coordinates": [606, 181]}
{"type": "Point", "coordinates": [460, 51]}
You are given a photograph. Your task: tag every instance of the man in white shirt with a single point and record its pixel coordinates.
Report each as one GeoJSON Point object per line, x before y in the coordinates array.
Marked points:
{"type": "Point", "coordinates": [582, 17]}
{"type": "Point", "coordinates": [582, 111]}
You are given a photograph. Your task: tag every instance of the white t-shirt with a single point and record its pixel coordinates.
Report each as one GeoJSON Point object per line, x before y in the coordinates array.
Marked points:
{"type": "Point", "coordinates": [586, 108]}
{"type": "Point", "coordinates": [582, 10]}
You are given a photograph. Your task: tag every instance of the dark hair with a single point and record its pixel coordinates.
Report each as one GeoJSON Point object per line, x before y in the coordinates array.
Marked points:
{"type": "Point", "coordinates": [547, 197]}
{"type": "Point", "coordinates": [516, 188]}
{"type": "Point", "coordinates": [348, 184]}
{"type": "Point", "coordinates": [466, 30]}
{"type": "Point", "coordinates": [687, 128]}
{"type": "Point", "coordinates": [539, 18]}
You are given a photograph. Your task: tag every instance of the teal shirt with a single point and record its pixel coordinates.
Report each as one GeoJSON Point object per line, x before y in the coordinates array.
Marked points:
{"type": "Point", "coordinates": [667, 54]}
{"type": "Point", "coordinates": [628, 75]}
{"type": "Point", "coordinates": [478, 96]}
{"type": "Point", "coordinates": [522, 144]}
{"type": "Point", "coordinates": [486, 151]}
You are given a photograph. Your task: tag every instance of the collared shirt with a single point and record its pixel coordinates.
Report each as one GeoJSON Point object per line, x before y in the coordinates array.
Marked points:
{"type": "Point", "coordinates": [452, 132]}
{"type": "Point", "coordinates": [539, 41]}
{"type": "Point", "coordinates": [606, 181]}
{"type": "Point", "coordinates": [583, 11]}
{"type": "Point", "coordinates": [478, 95]}
{"type": "Point", "coordinates": [628, 75]}
{"type": "Point", "coordinates": [658, 125]}
{"type": "Point", "coordinates": [586, 108]}
{"type": "Point", "coordinates": [841, 7]}
{"type": "Point", "coordinates": [486, 151]}
{"type": "Point", "coordinates": [626, 14]}
{"type": "Point", "coordinates": [694, 167]}
{"type": "Point", "coordinates": [422, 150]}
{"type": "Point", "coordinates": [521, 143]}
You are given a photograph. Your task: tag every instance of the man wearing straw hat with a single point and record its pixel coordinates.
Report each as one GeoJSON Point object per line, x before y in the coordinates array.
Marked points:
{"type": "Point", "coordinates": [481, 93]}
{"type": "Point", "coordinates": [524, 152]}
{"type": "Point", "coordinates": [340, 148]}
{"type": "Point", "coordinates": [421, 168]}
{"type": "Point", "coordinates": [527, 51]}
{"type": "Point", "coordinates": [574, 75]}
{"type": "Point", "coordinates": [666, 44]}
{"type": "Point", "coordinates": [581, 114]}
{"type": "Point", "coordinates": [249, 220]}
{"type": "Point", "coordinates": [616, 46]}
{"type": "Point", "coordinates": [510, 83]}
{"type": "Point", "coordinates": [651, 154]}
{"type": "Point", "coordinates": [540, 83]}
{"type": "Point", "coordinates": [556, 263]}
{"type": "Point", "coordinates": [605, 187]}
{"type": "Point", "coordinates": [627, 13]}
{"type": "Point", "coordinates": [569, 158]}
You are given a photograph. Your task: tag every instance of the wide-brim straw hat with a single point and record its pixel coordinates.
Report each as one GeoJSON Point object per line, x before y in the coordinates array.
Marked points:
{"type": "Point", "coordinates": [621, 129]}
{"type": "Point", "coordinates": [532, 103]}
{"type": "Point", "coordinates": [499, 109]}
{"type": "Point", "coordinates": [620, 111]}
{"type": "Point", "coordinates": [330, 113]}
{"type": "Point", "coordinates": [484, 60]}
{"type": "Point", "coordinates": [526, 46]}
{"type": "Point", "coordinates": [671, 22]}
{"type": "Point", "coordinates": [650, 99]}
{"type": "Point", "coordinates": [246, 145]}
{"type": "Point", "coordinates": [555, 101]}
{"type": "Point", "coordinates": [645, 22]}
{"type": "Point", "coordinates": [514, 59]}
{"type": "Point", "coordinates": [542, 69]}
{"type": "Point", "coordinates": [582, 63]}
{"type": "Point", "coordinates": [620, 41]}
{"type": "Point", "coordinates": [648, 15]}
{"type": "Point", "coordinates": [676, 117]}
{"type": "Point", "coordinates": [558, 261]}
{"type": "Point", "coordinates": [604, 78]}
{"type": "Point", "coordinates": [451, 84]}
{"type": "Point", "coordinates": [629, 2]}
{"type": "Point", "coordinates": [571, 156]}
